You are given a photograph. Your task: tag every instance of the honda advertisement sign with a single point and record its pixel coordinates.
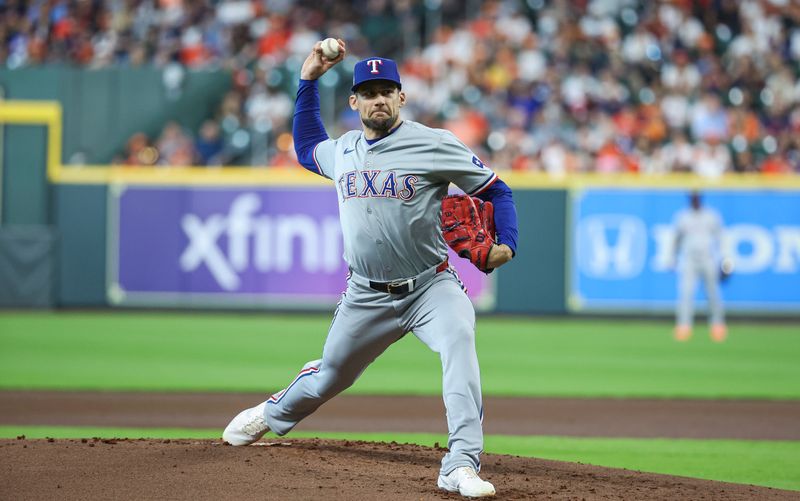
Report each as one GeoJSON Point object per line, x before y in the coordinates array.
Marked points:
{"type": "Point", "coordinates": [265, 247]}
{"type": "Point", "coordinates": [623, 249]}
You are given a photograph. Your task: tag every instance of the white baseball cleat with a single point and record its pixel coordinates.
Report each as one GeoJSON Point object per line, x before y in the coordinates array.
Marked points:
{"type": "Point", "coordinates": [247, 427]}
{"type": "Point", "coordinates": [466, 482]}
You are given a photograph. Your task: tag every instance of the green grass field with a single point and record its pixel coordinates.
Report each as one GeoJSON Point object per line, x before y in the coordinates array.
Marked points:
{"type": "Point", "coordinates": [522, 357]}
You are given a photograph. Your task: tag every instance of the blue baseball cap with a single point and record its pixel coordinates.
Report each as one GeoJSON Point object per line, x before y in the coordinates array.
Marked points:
{"type": "Point", "coordinates": [375, 68]}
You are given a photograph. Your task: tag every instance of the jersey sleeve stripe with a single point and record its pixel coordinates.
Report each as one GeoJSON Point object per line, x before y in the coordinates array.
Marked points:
{"type": "Point", "coordinates": [314, 157]}
{"type": "Point", "coordinates": [484, 186]}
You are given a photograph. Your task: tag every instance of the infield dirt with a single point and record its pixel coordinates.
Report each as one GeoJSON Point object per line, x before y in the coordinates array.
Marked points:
{"type": "Point", "coordinates": [287, 469]}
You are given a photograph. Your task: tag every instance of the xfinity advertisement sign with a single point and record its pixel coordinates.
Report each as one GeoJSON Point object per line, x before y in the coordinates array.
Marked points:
{"type": "Point", "coordinates": [623, 259]}
{"type": "Point", "coordinates": [266, 247]}
{"type": "Point", "coordinates": [265, 243]}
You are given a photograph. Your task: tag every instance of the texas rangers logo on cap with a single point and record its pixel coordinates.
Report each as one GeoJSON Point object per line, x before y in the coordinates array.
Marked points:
{"type": "Point", "coordinates": [375, 68]}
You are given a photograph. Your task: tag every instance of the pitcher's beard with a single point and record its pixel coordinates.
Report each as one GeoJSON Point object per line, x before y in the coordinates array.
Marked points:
{"type": "Point", "coordinates": [379, 125]}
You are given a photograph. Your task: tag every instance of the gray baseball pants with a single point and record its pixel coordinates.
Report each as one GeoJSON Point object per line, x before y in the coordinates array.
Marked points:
{"type": "Point", "coordinates": [364, 325]}
{"type": "Point", "coordinates": [695, 267]}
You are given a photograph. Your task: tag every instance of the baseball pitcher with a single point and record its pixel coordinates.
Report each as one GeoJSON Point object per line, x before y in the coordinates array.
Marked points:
{"type": "Point", "coordinates": [698, 232]}
{"type": "Point", "coordinates": [391, 178]}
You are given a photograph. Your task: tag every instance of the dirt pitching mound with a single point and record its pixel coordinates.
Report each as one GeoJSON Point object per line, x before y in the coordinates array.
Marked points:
{"type": "Point", "coordinates": [311, 469]}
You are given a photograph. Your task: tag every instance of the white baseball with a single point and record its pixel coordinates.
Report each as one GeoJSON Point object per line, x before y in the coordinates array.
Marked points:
{"type": "Point", "coordinates": [330, 48]}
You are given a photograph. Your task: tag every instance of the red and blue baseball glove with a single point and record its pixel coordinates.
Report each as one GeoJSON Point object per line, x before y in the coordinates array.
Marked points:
{"type": "Point", "coordinates": [468, 228]}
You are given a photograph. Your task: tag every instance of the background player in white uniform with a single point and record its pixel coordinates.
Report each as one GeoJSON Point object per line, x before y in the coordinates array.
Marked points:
{"type": "Point", "coordinates": [390, 179]}
{"type": "Point", "coordinates": [698, 234]}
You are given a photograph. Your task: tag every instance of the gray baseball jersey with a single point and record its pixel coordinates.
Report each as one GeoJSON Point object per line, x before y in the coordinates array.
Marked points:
{"type": "Point", "coordinates": [390, 195]}
{"type": "Point", "coordinates": [700, 232]}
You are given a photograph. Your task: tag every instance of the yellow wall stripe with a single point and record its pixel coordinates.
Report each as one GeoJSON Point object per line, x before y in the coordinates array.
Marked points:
{"type": "Point", "coordinates": [49, 114]}
{"type": "Point", "coordinates": [46, 113]}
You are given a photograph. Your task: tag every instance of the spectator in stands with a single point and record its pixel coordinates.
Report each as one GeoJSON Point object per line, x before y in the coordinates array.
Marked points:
{"type": "Point", "coordinates": [709, 120]}
{"type": "Point", "coordinates": [139, 151]}
{"type": "Point", "coordinates": [175, 147]}
{"type": "Point", "coordinates": [712, 158]}
{"type": "Point", "coordinates": [678, 153]}
{"type": "Point", "coordinates": [209, 144]}
{"type": "Point", "coordinates": [726, 75]}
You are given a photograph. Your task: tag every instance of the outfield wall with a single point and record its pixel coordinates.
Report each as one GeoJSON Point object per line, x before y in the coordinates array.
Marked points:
{"type": "Point", "coordinates": [198, 237]}
{"type": "Point", "coordinates": [587, 250]}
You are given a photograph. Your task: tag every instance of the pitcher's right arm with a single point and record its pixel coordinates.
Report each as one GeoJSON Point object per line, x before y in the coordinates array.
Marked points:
{"type": "Point", "coordinates": [307, 128]}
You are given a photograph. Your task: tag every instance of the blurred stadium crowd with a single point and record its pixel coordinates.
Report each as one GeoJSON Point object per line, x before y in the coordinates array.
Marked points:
{"type": "Point", "coordinates": [705, 86]}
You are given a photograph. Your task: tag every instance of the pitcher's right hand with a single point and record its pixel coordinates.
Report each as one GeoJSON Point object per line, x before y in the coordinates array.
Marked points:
{"type": "Point", "coordinates": [316, 64]}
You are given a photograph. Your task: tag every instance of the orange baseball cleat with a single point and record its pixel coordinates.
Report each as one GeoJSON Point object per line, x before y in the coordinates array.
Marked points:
{"type": "Point", "coordinates": [719, 333]}
{"type": "Point", "coordinates": [683, 332]}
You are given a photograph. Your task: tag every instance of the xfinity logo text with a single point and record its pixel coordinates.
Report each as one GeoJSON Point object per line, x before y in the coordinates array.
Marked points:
{"type": "Point", "coordinates": [229, 244]}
